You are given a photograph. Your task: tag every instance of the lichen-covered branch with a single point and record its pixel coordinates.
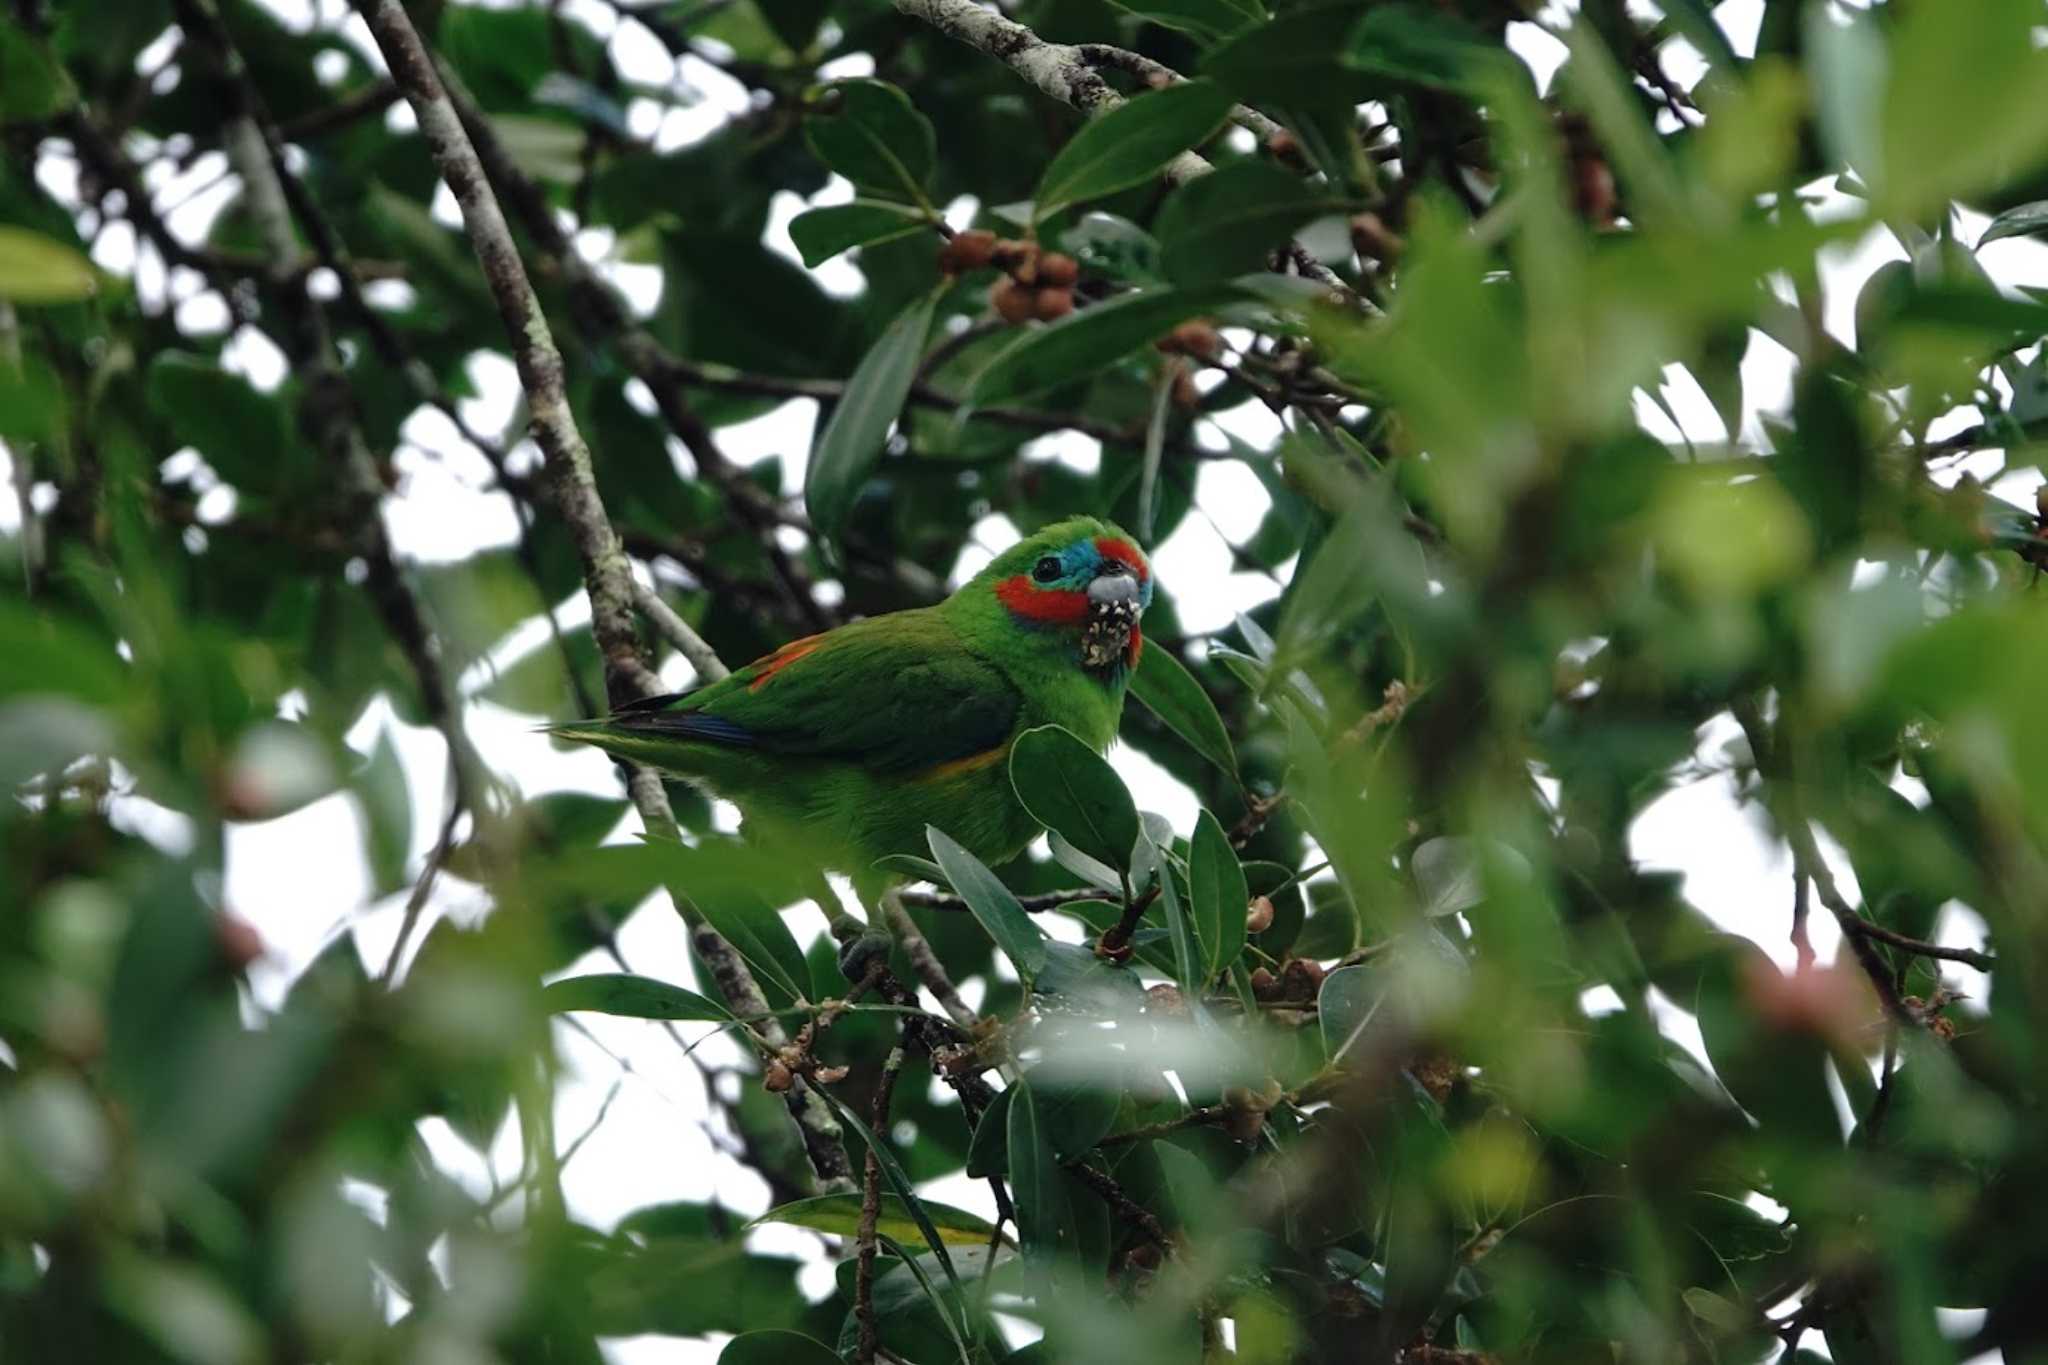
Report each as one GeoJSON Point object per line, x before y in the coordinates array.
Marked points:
{"type": "Point", "coordinates": [607, 574]}
{"type": "Point", "coordinates": [1060, 70]}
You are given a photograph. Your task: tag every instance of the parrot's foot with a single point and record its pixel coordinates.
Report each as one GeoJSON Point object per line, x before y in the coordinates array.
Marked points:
{"type": "Point", "coordinates": [859, 952]}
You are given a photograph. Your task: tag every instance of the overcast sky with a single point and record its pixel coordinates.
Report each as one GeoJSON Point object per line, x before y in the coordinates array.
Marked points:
{"type": "Point", "coordinates": [651, 1145]}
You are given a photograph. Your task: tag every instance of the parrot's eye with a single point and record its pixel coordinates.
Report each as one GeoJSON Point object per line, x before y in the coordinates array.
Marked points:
{"type": "Point", "coordinates": [1046, 569]}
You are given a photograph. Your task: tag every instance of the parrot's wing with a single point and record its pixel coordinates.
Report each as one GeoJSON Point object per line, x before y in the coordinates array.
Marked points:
{"type": "Point", "coordinates": [897, 693]}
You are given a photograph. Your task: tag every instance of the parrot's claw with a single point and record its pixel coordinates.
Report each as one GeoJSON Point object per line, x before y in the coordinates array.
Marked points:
{"type": "Point", "coordinates": [856, 955]}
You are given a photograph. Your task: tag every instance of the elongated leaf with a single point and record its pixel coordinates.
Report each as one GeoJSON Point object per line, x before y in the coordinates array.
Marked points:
{"type": "Point", "coordinates": [635, 997]}
{"type": "Point", "coordinates": [1203, 18]}
{"type": "Point", "coordinates": [1413, 42]}
{"type": "Point", "coordinates": [1021, 941]}
{"type": "Point", "coordinates": [1217, 898]}
{"type": "Point", "coordinates": [1045, 1219]}
{"type": "Point", "coordinates": [33, 84]}
{"type": "Point", "coordinates": [1068, 787]}
{"type": "Point", "coordinates": [989, 1151]}
{"type": "Point", "coordinates": [1093, 339]}
{"type": "Point", "coordinates": [241, 432]}
{"type": "Point", "coordinates": [839, 1214]}
{"type": "Point", "coordinates": [1187, 948]}
{"type": "Point", "coordinates": [386, 800]}
{"type": "Point", "coordinates": [1164, 686]}
{"type": "Point", "coordinates": [1226, 223]}
{"type": "Point", "coordinates": [1349, 1002]}
{"type": "Point", "coordinates": [777, 1347]}
{"type": "Point", "coordinates": [39, 269]}
{"type": "Point", "coordinates": [872, 134]}
{"type": "Point", "coordinates": [823, 233]}
{"type": "Point", "coordinates": [1091, 870]}
{"type": "Point", "coordinates": [852, 439]}
{"type": "Point", "coordinates": [1296, 58]}
{"type": "Point", "coordinates": [898, 1181]}
{"type": "Point", "coordinates": [2022, 220]}
{"type": "Point", "coordinates": [1130, 144]}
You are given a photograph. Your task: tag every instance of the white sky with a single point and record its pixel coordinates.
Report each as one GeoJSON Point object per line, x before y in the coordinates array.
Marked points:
{"type": "Point", "coordinates": [651, 1146]}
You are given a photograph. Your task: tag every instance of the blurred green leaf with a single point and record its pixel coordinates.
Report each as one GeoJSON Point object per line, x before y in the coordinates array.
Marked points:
{"type": "Point", "coordinates": [1203, 18]}
{"type": "Point", "coordinates": [635, 997]}
{"type": "Point", "coordinates": [776, 1347]}
{"type": "Point", "coordinates": [32, 86]}
{"type": "Point", "coordinates": [36, 270]}
{"type": "Point", "coordinates": [1227, 222]}
{"type": "Point", "coordinates": [839, 1215]}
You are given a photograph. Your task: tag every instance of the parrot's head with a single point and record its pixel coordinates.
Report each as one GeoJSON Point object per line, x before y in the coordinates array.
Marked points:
{"type": "Point", "coordinates": [1083, 577]}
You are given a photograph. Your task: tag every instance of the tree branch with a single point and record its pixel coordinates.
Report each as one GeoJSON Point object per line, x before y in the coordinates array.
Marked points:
{"type": "Point", "coordinates": [607, 575]}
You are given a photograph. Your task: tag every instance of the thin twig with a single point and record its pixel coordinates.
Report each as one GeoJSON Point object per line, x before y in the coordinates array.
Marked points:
{"type": "Point", "coordinates": [677, 632]}
{"type": "Point", "coordinates": [607, 574]}
{"type": "Point", "coordinates": [870, 1215]}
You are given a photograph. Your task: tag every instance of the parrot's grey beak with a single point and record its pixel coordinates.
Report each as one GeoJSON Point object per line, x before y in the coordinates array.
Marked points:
{"type": "Point", "coordinates": [1113, 607]}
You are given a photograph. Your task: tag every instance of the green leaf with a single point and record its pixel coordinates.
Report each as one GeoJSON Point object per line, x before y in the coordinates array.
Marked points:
{"type": "Point", "coordinates": [1778, 1075]}
{"type": "Point", "coordinates": [43, 652]}
{"type": "Point", "coordinates": [386, 800]}
{"type": "Point", "coordinates": [37, 269]}
{"type": "Point", "coordinates": [241, 432]}
{"type": "Point", "coordinates": [823, 233]}
{"type": "Point", "coordinates": [1045, 1219]}
{"type": "Point", "coordinates": [1413, 43]}
{"type": "Point", "coordinates": [869, 132]}
{"type": "Point", "coordinates": [1022, 941]}
{"type": "Point", "coordinates": [1130, 144]}
{"type": "Point", "coordinates": [634, 997]}
{"type": "Point", "coordinates": [2022, 220]}
{"type": "Point", "coordinates": [839, 1214]}
{"type": "Point", "coordinates": [1163, 684]}
{"type": "Point", "coordinates": [892, 1172]}
{"type": "Point", "coordinates": [1229, 219]}
{"type": "Point", "coordinates": [1187, 947]}
{"type": "Point", "coordinates": [1962, 109]}
{"type": "Point", "coordinates": [852, 440]}
{"type": "Point", "coordinates": [32, 83]}
{"type": "Point", "coordinates": [1296, 58]}
{"type": "Point", "coordinates": [1217, 898]}
{"type": "Point", "coordinates": [1203, 18]}
{"type": "Point", "coordinates": [777, 1347]}
{"type": "Point", "coordinates": [1348, 1003]}
{"type": "Point", "coordinates": [989, 1152]}
{"type": "Point", "coordinates": [1089, 341]}
{"type": "Point", "coordinates": [737, 888]}
{"type": "Point", "coordinates": [1068, 787]}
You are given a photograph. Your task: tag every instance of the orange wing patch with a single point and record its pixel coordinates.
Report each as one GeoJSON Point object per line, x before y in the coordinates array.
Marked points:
{"type": "Point", "coordinates": [970, 764]}
{"type": "Point", "coordinates": [781, 659]}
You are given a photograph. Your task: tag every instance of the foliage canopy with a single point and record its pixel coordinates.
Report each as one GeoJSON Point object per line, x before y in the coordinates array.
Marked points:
{"type": "Point", "coordinates": [1375, 1058]}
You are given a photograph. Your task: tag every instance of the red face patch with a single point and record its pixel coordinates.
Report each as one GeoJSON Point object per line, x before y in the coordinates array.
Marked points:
{"type": "Point", "coordinates": [1048, 606]}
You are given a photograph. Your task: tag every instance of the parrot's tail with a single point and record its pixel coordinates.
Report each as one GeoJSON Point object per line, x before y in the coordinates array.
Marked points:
{"type": "Point", "coordinates": [616, 740]}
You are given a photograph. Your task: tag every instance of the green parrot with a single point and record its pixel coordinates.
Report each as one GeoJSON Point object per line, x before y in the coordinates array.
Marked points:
{"type": "Point", "coordinates": [842, 747]}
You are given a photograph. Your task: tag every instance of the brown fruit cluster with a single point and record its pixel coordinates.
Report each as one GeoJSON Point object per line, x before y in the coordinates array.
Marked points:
{"type": "Point", "coordinates": [1039, 284]}
{"type": "Point", "coordinates": [1198, 339]}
